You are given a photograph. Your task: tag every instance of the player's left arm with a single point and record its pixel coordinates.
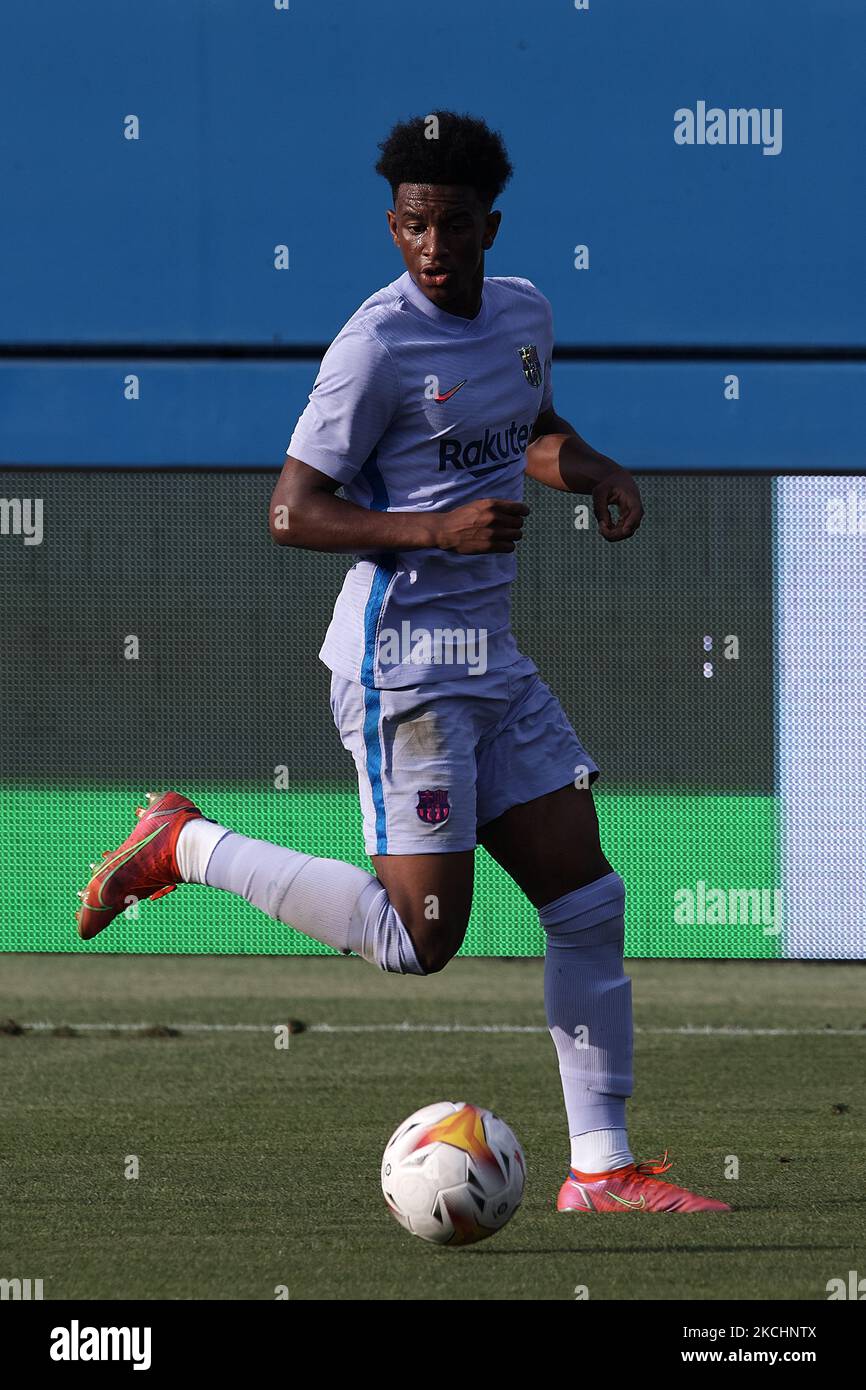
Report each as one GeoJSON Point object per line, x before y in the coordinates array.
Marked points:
{"type": "Point", "coordinates": [559, 458]}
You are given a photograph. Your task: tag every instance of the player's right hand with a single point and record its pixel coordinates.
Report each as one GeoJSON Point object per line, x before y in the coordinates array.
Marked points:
{"type": "Point", "coordinates": [490, 526]}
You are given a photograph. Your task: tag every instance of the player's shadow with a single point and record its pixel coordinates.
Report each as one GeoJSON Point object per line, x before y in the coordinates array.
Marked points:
{"type": "Point", "coordinates": [489, 1252]}
{"type": "Point", "coordinates": [742, 1208]}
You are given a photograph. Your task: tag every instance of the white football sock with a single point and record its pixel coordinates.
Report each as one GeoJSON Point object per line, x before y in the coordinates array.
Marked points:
{"type": "Point", "coordinates": [600, 1150]}
{"type": "Point", "coordinates": [195, 844]}
{"type": "Point", "coordinates": [587, 998]}
{"type": "Point", "coordinates": [335, 903]}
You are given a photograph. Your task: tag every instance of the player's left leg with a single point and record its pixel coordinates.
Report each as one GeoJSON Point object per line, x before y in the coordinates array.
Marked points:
{"type": "Point", "coordinates": [550, 847]}
{"type": "Point", "coordinates": [548, 842]}
{"type": "Point", "coordinates": [551, 844]}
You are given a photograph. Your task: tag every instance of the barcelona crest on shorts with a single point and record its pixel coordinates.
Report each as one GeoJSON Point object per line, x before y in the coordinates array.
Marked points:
{"type": "Point", "coordinates": [530, 363]}
{"type": "Point", "coordinates": [433, 806]}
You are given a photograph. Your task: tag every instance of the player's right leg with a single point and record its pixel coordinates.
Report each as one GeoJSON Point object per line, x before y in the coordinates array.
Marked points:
{"type": "Point", "coordinates": [408, 920]}
{"type": "Point", "coordinates": [432, 895]}
{"type": "Point", "coordinates": [413, 755]}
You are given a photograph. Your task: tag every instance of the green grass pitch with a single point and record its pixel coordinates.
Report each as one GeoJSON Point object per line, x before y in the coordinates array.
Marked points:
{"type": "Point", "coordinates": [258, 1167]}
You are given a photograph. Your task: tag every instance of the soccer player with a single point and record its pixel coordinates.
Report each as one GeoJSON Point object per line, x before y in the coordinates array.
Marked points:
{"type": "Point", "coordinates": [430, 406]}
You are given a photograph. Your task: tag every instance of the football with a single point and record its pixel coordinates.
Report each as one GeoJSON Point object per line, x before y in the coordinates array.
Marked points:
{"type": "Point", "coordinates": [453, 1173]}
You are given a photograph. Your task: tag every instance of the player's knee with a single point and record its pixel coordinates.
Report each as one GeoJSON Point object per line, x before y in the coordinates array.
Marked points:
{"type": "Point", "coordinates": [435, 956]}
{"type": "Point", "coordinates": [589, 919]}
{"type": "Point", "coordinates": [435, 948]}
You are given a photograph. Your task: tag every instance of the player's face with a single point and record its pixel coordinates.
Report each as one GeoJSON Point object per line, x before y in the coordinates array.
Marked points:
{"type": "Point", "coordinates": [442, 233]}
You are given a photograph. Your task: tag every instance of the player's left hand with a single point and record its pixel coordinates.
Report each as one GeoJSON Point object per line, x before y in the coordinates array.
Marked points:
{"type": "Point", "coordinates": [621, 491]}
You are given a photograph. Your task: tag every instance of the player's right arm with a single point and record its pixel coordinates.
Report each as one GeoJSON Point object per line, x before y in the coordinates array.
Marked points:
{"type": "Point", "coordinates": [306, 514]}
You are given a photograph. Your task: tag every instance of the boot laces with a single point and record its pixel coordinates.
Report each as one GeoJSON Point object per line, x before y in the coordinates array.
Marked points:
{"type": "Point", "coordinates": [651, 1166]}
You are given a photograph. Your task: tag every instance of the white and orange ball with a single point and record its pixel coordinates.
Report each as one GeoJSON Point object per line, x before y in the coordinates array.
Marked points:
{"type": "Point", "coordinates": [453, 1173]}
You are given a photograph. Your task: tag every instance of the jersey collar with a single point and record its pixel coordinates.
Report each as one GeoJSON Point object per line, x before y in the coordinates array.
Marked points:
{"type": "Point", "coordinates": [452, 323]}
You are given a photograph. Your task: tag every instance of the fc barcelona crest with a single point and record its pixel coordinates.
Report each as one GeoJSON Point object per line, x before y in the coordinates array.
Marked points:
{"type": "Point", "coordinates": [433, 806]}
{"type": "Point", "coordinates": [530, 363]}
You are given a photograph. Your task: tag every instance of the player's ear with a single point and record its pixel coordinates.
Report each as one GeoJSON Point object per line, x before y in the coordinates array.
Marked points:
{"type": "Point", "coordinates": [392, 222]}
{"type": "Point", "coordinates": [491, 227]}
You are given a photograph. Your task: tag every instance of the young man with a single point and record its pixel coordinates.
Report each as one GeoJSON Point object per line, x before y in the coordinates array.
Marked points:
{"type": "Point", "coordinates": [429, 407]}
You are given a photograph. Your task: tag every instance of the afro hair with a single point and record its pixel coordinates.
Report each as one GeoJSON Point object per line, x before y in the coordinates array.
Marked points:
{"type": "Point", "coordinates": [446, 148]}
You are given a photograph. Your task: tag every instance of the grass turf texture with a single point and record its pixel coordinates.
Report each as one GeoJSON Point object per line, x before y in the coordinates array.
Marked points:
{"type": "Point", "coordinates": [259, 1167]}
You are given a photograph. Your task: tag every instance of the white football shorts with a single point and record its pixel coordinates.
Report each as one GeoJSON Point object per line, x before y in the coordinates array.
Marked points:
{"type": "Point", "coordinates": [436, 761]}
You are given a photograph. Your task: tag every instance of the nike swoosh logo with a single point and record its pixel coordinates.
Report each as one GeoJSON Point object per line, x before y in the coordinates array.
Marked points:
{"type": "Point", "coordinates": [118, 861]}
{"type": "Point", "coordinates": [636, 1206]}
{"type": "Point", "coordinates": [448, 394]}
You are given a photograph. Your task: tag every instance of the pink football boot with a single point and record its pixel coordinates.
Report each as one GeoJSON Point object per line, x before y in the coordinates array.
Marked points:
{"type": "Point", "coordinates": [143, 867]}
{"type": "Point", "coordinates": [632, 1188]}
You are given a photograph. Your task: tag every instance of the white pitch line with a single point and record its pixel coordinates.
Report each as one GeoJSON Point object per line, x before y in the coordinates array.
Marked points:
{"type": "Point", "coordinates": [687, 1031]}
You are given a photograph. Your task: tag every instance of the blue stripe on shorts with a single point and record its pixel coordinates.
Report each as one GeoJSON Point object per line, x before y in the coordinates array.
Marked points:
{"type": "Point", "coordinates": [372, 699]}
{"type": "Point", "coordinates": [373, 704]}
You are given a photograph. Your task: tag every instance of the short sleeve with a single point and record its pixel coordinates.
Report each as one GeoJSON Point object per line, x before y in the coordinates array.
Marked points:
{"type": "Point", "coordinates": [547, 385]}
{"type": "Point", "coordinates": [353, 400]}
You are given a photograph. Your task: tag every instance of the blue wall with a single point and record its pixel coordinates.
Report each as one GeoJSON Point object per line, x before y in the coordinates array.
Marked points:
{"type": "Point", "coordinates": [259, 127]}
